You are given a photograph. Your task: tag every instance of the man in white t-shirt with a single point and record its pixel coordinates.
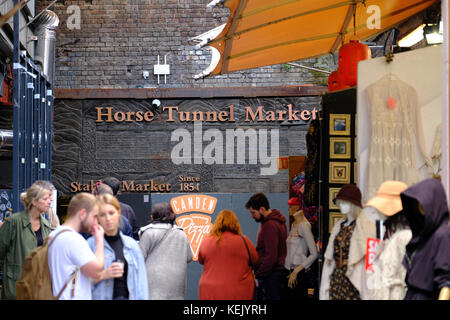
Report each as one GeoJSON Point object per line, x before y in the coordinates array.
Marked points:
{"type": "Point", "coordinates": [70, 252]}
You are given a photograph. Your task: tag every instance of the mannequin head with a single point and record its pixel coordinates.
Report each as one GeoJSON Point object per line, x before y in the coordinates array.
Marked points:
{"type": "Point", "coordinates": [293, 210]}
{"type": "Point", "coordinates": [387, 201]}
{"type": "Point", "coordinates": [373, 214]}
{"type": "Point", "coordinates": [348, 200]}
{"type": "Point", "coordinates": [294, 205]}
{"type": "Point", "coordinates": [348, 208]}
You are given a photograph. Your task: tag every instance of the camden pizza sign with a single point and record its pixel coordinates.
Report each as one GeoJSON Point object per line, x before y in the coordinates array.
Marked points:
{"type": "Point", "coordinates": [194, 216]}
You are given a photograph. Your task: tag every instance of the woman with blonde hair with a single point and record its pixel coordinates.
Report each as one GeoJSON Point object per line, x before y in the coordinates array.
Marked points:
{"type": "Point", "coordinates": [227, 256]}
{"type": "Point", "coordinates": [124, 276]}
{"type": "Point", "coordinates": [23, 232]}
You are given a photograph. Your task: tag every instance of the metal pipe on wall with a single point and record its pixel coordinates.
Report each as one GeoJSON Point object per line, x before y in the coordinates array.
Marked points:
{"type": "Point", "coordinates": [45, 48]}
{"type": "Point", "coordinates": [16, 149]}
{"type": "Point", "coordinates": [6, 138]}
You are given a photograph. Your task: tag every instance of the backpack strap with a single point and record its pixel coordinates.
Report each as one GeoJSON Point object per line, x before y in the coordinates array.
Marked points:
{"type": "Point", "coordinates": [73, 279]}
{"type": "Point", "coordinates": [51, 239]}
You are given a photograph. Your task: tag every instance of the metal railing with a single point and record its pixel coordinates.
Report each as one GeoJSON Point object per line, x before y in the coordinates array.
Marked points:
{"type": "Point", "coordinates": [32, 124]}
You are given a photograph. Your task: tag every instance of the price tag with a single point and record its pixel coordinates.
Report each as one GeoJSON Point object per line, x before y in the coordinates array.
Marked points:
{"type": "Point", "coordinates": [371, 251]}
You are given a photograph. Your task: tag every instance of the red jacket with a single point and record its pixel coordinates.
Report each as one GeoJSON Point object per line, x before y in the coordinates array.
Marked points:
{"type": "Point", "coordinates": [226, 271]}
{"type": "Point", "coordinates": [271, 245]}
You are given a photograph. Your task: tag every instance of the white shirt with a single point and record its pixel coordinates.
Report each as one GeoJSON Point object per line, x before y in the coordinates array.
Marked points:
{"type": "Point", "coordinates": [69, 252]}
{"type": "Point", "coordinates": [299, 242]}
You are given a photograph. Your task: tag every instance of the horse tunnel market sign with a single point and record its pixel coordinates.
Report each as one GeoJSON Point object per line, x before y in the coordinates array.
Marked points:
{"type": "Point", "coordinates": [221, 144]}
{"type": "Point", "coordinates": [218, 141]}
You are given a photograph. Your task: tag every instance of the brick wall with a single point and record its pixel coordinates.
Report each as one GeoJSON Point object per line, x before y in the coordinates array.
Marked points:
{"type": "Point", "coordinates": [118, 39]}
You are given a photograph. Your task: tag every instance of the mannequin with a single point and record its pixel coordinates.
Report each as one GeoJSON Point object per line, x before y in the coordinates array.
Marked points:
{"type": "Point", "coordinates": [387, 280]}
{"type": "Point", "coordinates": [335, 283]}
{"type": "Point", "coordinates": [444, 293]}
{"type": "Point", "coordinates": [301, 253]}
{"type": "Point", "coordinates": [427, 257]}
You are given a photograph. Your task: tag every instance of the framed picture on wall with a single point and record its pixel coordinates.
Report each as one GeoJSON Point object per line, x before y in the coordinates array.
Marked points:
{"type": "Point", "coordinates": [332, 194]}
{"type": "Point", "coordinates": [340, 124]}
{"type": "Point", "coordinates": [333, 218]}
{"type": "Point", "coordinates": [339, 172]}
{"type": "Point", "coordinates": [340, 148]}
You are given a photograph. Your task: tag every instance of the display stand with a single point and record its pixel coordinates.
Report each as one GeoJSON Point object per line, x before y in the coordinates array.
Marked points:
{"type": "Point", "coordinates": [338, 156]}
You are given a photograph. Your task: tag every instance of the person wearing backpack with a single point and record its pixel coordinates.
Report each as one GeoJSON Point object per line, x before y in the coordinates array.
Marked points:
{"type": "Point", "coordinates": [69, 254]}
{"type": "Point", "coordinates": [23, 232]}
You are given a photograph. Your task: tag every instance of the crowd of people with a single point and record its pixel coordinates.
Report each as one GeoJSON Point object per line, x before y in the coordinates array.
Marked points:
{"type": "Point", "coordinates": [99, 253]}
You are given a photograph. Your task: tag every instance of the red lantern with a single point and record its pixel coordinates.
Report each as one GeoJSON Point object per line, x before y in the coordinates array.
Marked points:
{"type": "Point", "coordinates": [333, 81]}
{"type": "Point", "coordinates": [349, 56]}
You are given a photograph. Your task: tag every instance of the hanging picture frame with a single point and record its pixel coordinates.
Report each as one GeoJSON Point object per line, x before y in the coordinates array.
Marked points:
{"type": "Point", "coordinates": [334, 217]}
{"type": "Point", "coordinates": [332, 194]}
{"type": "Point", "coordinates": [340, 124]}
{"type": "Point", "coordinates": [340, 148]}
{"type": "Point", "coordinates": [339, 172]}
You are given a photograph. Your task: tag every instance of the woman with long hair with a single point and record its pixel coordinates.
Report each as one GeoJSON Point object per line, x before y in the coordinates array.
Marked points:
{"type": "Point", "coordinates": [227, 256]}
{"type": "Point", "coordinates": [124, 276]}
{"type": "Point", "coordinates": [23, 232]}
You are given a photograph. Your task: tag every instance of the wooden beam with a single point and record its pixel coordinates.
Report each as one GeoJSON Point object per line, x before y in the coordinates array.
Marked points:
{"type": "Point", "coordinates": [190, 93]}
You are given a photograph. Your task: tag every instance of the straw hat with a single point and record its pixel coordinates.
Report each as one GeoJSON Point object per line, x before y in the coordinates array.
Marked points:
{"type": "Point", "coordinates": [387, 199]}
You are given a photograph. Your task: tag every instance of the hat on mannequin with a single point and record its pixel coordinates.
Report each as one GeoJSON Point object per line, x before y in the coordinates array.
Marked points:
{"type": "Point", "coordinates": [351, 193]}
{"type": "Point", "coordinates": [294, 202]}
{"type": "Point", "coordinates": [387, 200]}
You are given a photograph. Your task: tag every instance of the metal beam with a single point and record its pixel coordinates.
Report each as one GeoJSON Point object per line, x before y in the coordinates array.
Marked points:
{"type": "Point", "coordinates": [199, 93]}
{"type": "Point", "coordinates": [16, 122]}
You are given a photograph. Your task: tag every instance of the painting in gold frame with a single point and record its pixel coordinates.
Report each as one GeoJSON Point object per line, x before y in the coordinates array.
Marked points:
{"type": "Point", "coordinates": [333, 218]}
{"type": "Point", "coordinates": [339, 172]}
{"type": "Point", "coordinates": [340, 124]}
{"type": "Point", "coordinates": [340, 148]}
{"type": "Point", "coordinates": [332, 194]}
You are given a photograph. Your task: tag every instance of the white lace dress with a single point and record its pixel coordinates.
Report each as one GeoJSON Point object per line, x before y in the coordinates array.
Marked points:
{"type": "Point", "coordinates": [394, 124]}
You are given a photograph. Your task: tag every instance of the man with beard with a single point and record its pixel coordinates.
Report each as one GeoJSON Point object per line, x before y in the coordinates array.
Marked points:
{"type": "Point", "coordinates": [271, 247]}
{"type": "Point", "coordinates": [71, 261]}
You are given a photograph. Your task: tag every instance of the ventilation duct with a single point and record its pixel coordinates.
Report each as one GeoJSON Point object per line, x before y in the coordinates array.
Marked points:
{"type": "Point", "coordinates": [46, 26]}
{"type": "Point", "coordinates": [6, 138]}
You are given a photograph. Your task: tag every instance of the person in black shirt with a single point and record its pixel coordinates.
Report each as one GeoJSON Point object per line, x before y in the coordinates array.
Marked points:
{"type": "Point", "coordinates": [124, 276]}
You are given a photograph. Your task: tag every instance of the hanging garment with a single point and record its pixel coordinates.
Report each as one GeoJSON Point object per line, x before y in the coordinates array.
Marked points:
{"type": "Point", "coordinates": [312, 160]}
{"type": "Point", "coordinates": [395, 120]}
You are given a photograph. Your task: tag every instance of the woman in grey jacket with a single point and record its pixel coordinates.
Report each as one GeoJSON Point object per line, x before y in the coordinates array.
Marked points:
{"type": "Point", "coordinates": [166, 252]}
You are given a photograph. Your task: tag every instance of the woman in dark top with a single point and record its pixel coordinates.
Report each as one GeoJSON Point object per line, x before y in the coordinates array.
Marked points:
{"type": "Point", "coordinates": [23, 232]}
{"type": "Point", "coordinates": [124, 276]}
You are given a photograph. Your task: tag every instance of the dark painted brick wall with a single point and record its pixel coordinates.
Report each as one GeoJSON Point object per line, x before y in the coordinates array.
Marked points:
{"type": "Point", "coordinates": [118, 39]}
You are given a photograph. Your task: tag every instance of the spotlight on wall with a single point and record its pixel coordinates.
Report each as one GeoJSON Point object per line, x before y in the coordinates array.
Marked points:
{"type": "Point", "coordinates": [156, 103]}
